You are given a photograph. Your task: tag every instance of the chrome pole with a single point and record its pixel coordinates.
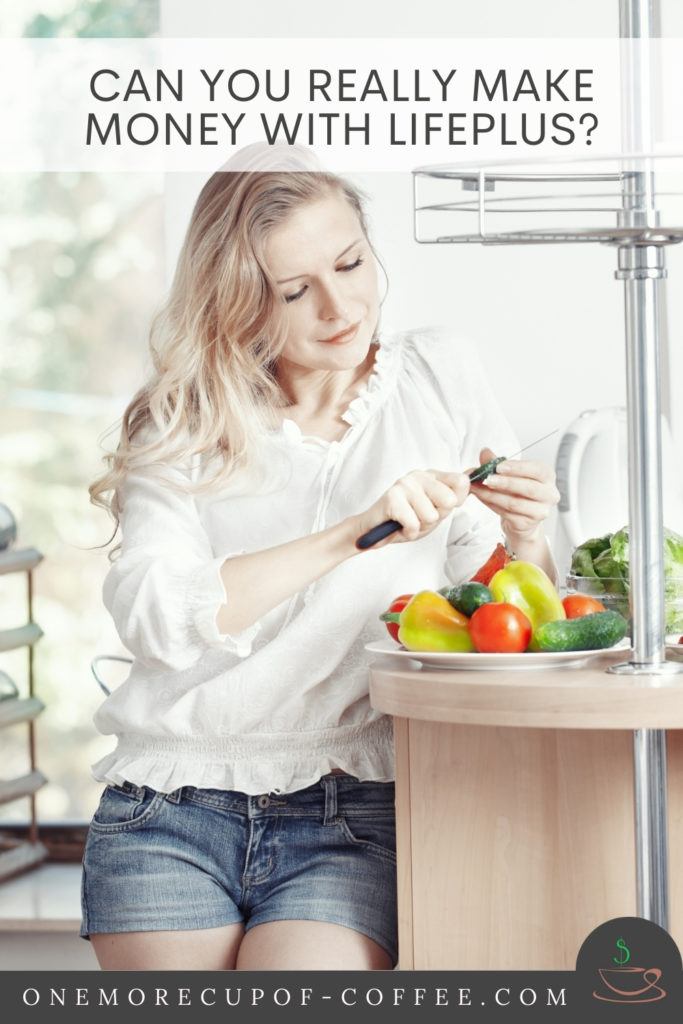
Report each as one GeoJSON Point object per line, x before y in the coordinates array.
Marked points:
{"type": "Point", "coordinates": [642, 269]}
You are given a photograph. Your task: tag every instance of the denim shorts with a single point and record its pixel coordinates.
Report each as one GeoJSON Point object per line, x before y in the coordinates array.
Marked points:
{"type": "Point", "coordinates": [202, 858]}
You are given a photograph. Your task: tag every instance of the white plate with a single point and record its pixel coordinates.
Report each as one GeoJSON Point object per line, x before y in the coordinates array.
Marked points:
{"type": "Point", "coordinates": [474, 661]}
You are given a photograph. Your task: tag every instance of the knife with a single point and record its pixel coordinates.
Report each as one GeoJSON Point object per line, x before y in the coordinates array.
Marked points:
{"type": "Point", "coordinates": [383, 530]}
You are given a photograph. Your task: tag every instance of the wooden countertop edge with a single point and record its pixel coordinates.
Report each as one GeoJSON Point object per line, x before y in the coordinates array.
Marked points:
{"type": "Point", "coordinates": [580, 698]}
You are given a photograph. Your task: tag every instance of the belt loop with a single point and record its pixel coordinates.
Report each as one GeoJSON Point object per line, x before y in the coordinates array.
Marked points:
{"type": "Point", "coordinates": [330, 800]}
{"type": "Point", "coordinates": [176, 796]}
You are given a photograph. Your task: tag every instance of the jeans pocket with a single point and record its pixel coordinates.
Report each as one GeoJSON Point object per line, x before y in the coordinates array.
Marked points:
{"type": "Point", "coordinates": [374, 832]}
{"type": "Point", "coordinates": [122, 809]}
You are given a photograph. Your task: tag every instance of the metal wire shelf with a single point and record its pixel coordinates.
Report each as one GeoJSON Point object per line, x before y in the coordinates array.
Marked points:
{"type": "Point", "coordinates": [582, 200]}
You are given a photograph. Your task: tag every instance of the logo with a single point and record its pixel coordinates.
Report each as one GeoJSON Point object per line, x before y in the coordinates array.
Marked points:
{"type": "Point", "coordinates": [624, 984]}
{"type": "Point", "coordinates": [629, 960]}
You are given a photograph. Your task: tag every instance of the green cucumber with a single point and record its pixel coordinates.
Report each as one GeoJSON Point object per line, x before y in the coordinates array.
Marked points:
{"type": "Point", "coordinates": [467, 597]}
{"type": "Point", "coordinates": [587, 633]}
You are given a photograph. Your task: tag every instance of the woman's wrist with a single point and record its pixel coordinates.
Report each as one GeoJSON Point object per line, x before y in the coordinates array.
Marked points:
{"type": "Point", "coordinates": [342, 538]}
{"type": "Point", "coordinates": [533, 548]}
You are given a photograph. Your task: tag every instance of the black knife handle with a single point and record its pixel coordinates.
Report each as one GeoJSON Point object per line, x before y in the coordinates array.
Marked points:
{"type": "Point", "coordinates": [378, 533]}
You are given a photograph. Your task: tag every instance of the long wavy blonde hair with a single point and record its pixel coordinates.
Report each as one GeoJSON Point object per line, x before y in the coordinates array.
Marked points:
{"type": "Point", "coordinates": [215, 341]}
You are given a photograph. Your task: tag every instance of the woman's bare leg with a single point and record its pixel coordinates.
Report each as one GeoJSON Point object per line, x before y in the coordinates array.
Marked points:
{"type": "Point", "coordinates": [309, 945]}
{"type": "Point", "coordinates": [203, 949]}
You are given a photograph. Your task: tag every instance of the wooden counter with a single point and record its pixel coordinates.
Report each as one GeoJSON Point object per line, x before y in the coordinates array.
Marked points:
{"type": "Point", "coordinates": [514, 808]}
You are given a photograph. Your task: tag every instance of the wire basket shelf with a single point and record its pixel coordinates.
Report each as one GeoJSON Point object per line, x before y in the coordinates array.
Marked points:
{"type": "Point", "coordinates": [501, 207]}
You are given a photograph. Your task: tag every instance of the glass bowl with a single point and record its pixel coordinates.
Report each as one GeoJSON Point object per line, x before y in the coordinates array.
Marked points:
{"type": "Point", "coordinates": [613, 592]}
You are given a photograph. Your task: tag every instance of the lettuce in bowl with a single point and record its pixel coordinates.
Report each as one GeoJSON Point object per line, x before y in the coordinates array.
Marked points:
{"type": "Point", "coordinates": [605, 561]}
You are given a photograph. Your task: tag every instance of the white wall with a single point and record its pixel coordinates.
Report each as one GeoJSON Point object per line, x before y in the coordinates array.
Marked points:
{"type": "Point", "coordinates": [548, 320]}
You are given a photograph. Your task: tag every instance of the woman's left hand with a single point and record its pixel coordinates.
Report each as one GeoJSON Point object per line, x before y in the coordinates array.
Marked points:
{"type": "Point", "coordinates": [522, 493]}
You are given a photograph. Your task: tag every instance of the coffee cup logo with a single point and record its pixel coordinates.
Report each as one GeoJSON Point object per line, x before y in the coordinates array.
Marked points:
{"type": "Point", "coordinates": [631, 984]}
{"type": "Point", "coordinates": [629, 960]}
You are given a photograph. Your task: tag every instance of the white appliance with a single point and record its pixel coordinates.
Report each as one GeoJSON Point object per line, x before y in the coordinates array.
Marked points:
{"type": "Point", "coordinates": [592, 477]}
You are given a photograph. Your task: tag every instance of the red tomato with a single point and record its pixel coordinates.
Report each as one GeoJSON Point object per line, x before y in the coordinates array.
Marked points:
{"type": "Point", "coordinates": [397, 605]}
{"type": "Point", "coordinates": [500, 628]}
{"type": "Point", "coordinates": [578, 605]}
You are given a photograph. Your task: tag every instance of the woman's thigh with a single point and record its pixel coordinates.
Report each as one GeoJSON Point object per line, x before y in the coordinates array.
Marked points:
{"type": "Point", "coordinates": [202, 949]}
{"type": "Point", "coordinates": [309, 946]}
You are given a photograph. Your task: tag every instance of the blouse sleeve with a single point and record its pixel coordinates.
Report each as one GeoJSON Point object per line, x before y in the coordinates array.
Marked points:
{"type": "Point", "coordinates": [481, 423]}
{"type": "Point", "coordinates": [165, 588]}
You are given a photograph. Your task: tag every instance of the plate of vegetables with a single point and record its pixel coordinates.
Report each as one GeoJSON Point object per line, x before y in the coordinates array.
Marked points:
{"type": "Point", "coordinates": [509, 615]}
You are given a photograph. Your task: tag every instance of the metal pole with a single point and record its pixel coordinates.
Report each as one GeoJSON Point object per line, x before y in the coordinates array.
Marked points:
{"type": "Point", "coordinates": [642, 269]}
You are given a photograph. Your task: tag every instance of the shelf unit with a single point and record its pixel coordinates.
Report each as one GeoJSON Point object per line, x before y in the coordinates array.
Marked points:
{"type": "Point", "coordinates": [18, 856]}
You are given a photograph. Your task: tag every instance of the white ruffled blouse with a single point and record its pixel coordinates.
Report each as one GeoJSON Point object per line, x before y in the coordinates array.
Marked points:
{"type": "Point", "coordinates": [274, 707]}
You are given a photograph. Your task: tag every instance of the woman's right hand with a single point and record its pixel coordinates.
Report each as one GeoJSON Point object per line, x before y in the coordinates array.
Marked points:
{"type": "Point", "coordinates": [419, 501]}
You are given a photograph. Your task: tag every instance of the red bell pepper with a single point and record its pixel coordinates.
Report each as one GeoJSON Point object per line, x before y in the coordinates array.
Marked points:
{"type": "Point", "coordinates": [498, 560]}
{"type": "Point", "coordinates": [397, 605]}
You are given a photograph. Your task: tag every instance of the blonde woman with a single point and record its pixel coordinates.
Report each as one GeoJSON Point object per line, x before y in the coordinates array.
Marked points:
{"type": "Point", "coordinates": [248, 817]}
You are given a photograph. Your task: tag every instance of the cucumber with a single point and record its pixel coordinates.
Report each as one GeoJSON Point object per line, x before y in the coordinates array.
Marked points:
{"type": "Point", "coordinates": [587, 633]}
{"type": "Point", "coordinates": [467, 597]}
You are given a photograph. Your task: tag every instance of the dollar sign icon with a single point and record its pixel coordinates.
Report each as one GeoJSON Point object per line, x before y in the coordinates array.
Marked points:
{"type": "Point", "coordinates": [625, 953]}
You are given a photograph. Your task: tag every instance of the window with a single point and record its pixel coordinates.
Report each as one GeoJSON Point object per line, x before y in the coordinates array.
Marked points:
{"type": "Point", "coordinates": [81, 273]}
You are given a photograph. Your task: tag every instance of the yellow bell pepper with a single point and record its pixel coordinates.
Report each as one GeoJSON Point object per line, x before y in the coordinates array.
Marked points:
{"type": "Point", "coordinates": [530, 589]}
{"type": "Point", "coordinates": [430, 623]}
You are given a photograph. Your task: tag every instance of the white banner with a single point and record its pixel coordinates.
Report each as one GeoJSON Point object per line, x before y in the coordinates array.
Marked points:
{"type": "Point", "coordinates": [355, 104]}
